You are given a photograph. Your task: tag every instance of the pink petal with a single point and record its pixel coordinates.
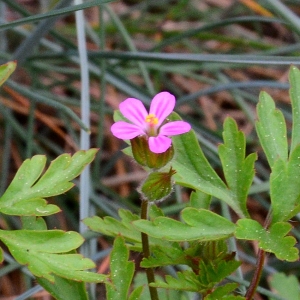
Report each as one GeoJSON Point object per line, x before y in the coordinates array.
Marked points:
{"type": "Point", "coordinates": [159, 144]}
{"type": "Point", "coordinates": [125, 131]}
{"type": "Point", "coordinates": [174, 128]}
{"type": "Point", "coordinates": [162, 105]}
{"type": "Point", "coordinates": [134, 110]}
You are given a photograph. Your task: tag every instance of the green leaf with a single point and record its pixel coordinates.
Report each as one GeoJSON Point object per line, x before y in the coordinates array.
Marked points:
{"type": "Point", "coordinates": [194, 171]}
{"type": "Point", "coordinates": [112, 227]}
{"type": "Point", "coordinates": [121, 271]}
{"type": "Point", "coordinates": [6, 70]}
{"type": "Point", "coordinates": [189, 255]}
{"type": "Point", "coordinates": [44, 252]}
{"type": "Point", "coordinates": [210, 274]}
{"type": "Point", "coordinates": [185, 281]}
{"type": "Point", "coordinates": [271, 129]}
{"type": "Point", "coordinates": [199, 224]}
{"type": "Point", "coordinates": [273, 240]}
{"type": "Point", "coordinates": [221, 292]}
{"type": "Point", "coordinates": [286, 286]}
{"type": "Point", "coordinates": [199, 199]}
{"type": "Point", "coordinates": [64, 289]}
{"type": "Point", "coordinates": [294, 78]}
{"type": "Point", "coordinates": [33, 223]}
{"type": "Point", "coordinates": [165, 256]}
{"type": "Point", "coordinates": [25, 195]}
{"type": "Point", "coordinates": [213, 272]}
{"type": "Point", "coordinates": [140, 280]}
{"type": "Point", "coordinates": [238, 169]}
{"type": "Point", "coordinates": [285, 188]}
{"type": "Point", "coordinates": [136, 294]}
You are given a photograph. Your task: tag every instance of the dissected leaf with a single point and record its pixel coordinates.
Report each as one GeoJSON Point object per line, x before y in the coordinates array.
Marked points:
{"type": "Point", "coordinates": [271, 129]}
{"type": "Point", "coordinates": [162, 256]}
{"type": "Point", "coordinates": [64, 289]}
{"type": "Point", "coordinates": [33, 223]}
{"type": "Point", "coordinates": [273, 240]}
{"type": "Point", "coordinates": [136, 293]}
{"type": "Point", "coordinates": [221, 292]}
{"type": "Point", "coordinates": [198, 199]}
{"type": "Point", "coordinates": [213, 272]}
{"type": "Point", "coordinates": [25, 195]}
{"type": "Point", "coordinates": [286, 286]}
{"type": "Point", "coordinates": [6, 70]}
{"type": "Point", "coordinates": [210, 274]}
{"type": "Point", "coordinates": [199, 224]}
{"type": "Point", "coordinates": [285, 187]}
{"type": "Point", "coordinates": [121, 271]}
{"type": "Point", "coordinates": [45, 254]}
{"type": "Point", "coordinates": [194, 171]}
{"type": "Point", "coordinates": [140, 280]}
{"type": "Point", "coordinates": [190, 255]}
{"type": "Point", "coordinates": [112, 227]}
{"type": "Point", "coordinates": [185, 281]}
{"type": "Point", "coordinates": [154, 211]}
{"type": "Point", "coordinates": [294, 79]}
{"type": "Point", "coordinates": [238, 169]}
{"type": "Point", "coordinates": [50, 241]}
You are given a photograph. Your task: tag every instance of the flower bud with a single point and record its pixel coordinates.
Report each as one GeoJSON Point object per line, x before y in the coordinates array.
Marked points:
{"type": "Point", "coordinates": [145, 157]}
{"type": "Point", "coordinates": [157, 186]}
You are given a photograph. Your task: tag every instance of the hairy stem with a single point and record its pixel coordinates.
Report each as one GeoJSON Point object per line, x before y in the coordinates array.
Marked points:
{"type": "Point", "coordinates": [146, 252]}
{"type": "Point", "coordinates": [259, 265]}
{"type": "Point", "coordinates": [257, 274]}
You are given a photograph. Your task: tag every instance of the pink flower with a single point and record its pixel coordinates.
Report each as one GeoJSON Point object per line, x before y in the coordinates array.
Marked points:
{"type": "Point", "coordinates": [150, 124]}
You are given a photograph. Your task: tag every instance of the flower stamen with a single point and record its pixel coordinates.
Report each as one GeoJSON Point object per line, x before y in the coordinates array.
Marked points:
{"type": "Point", "coordinates": [151, 119]}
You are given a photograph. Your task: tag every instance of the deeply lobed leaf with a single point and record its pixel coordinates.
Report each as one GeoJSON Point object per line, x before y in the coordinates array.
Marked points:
{"type": "Point", "coordinates": [194, 171]}
{"type": "Point", "coordinates": [286, 286]}
{"type": "Point", "coordinates": [121, 271]}
{"type": "Point", "coordinates": [112, 227]}
{"type": "Point", "coordinates": [294, 79]}
{"type": "Point", "coordinates": [238, 169]}
{"type": "Point", "coordinates": [285, 188]}
{"type": "Point", "coordinates": [199, 224]}
{"type": "Point", "coordinates": [274, 240]}
{"type": "Point", "coordinates": [45, 254]}
{"type": "Point", "coordinates": [25, 195]}
{"type": "Point", "coordinates": [271, 130]}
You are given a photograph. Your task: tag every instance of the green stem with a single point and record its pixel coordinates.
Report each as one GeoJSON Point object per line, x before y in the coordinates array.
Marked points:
{"type": "Point", "coordinates": [146, 252]}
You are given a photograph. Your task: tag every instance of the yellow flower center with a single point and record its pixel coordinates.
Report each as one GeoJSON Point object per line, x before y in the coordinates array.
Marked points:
{"type": "Point", "coordinates": [151, 119]}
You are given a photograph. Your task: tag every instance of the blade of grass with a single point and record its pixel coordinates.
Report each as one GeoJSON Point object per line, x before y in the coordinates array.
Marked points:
{"type": "Point", "coordinates": [41, 30]}
{"type": "Point", "coordinates": [131, 46]}
{"type": "Point", "coordinates": [282, 10]}
{"type": "Point", "coordinates": [85, 184]}
{"type": "Point", "coordinates": [53, 13]}
{"type": "Point", "coordinates": [183, 58]}
{"type": "Point", "coordinates": [40, 98]}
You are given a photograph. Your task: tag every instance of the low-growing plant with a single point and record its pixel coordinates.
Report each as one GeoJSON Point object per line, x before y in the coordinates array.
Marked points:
{"type": "Point", "coordinates": [197, 244]}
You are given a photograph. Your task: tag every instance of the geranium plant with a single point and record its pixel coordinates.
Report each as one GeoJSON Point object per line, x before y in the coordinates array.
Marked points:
{"type": "Point", "coordinates": [197, 244]}
{"type": "Point", "coordinates": [199, 240]}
